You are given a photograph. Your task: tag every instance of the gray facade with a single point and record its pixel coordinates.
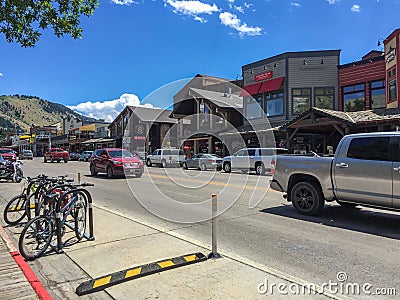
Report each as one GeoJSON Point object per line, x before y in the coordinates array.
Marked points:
{"type": "Point", "coordinates": [301, 79]}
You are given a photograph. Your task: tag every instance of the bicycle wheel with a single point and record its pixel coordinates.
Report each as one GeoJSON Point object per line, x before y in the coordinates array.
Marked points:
{"type": "Point", "coordinates": [15, 210]}
{"type": "Point", "coordinates": [80, 218]}
{"type": "Point", "coordinates": [36, 237]}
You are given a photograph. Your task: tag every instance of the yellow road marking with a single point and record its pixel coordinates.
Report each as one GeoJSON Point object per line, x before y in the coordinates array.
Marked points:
{"type": "Point", "coordinates": [167, 263]}
{"type": "Point", "coordinates": [218, 183]}
{"type": "Point", "coordinates": [133, 272]}
{"type": "Point", "coordinates": [14, 208]}
{"type": "Point", "coordinates": [190, 258]}
{"type": "Point", "coordinates": [101, 281]}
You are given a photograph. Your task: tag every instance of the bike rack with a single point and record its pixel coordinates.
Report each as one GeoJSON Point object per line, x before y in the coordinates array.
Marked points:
{"type": "Point", "coordinates": [58, 248]}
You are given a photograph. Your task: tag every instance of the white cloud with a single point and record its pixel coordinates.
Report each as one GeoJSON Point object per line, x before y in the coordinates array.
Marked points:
{"type": "Point", "coordinates": [1, 74]}
{"type": "Point", "coordinates": [295, 4]}
{"type": "Point", "coordinates": [192, 8]}
{"type": "Point", "coordinates": [332, 1]}
{"type": "Point", "coordinates": [123, 2]}
{"type": "Point", "coordinates": [355, 8]}
{"type": "Point", "coordinates": [107, 110]}
{"type": "Point", "coordinates": [239, 9]}
{"type": "Point", "coordinates": [232, 21]}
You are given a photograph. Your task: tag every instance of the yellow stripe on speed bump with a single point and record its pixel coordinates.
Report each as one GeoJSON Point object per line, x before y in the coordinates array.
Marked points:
{"type": "Point", "coordinates": [101, 281]}
{"type": "Point", "coordinates": [133, 272]}
{"type": "Point", "coordinates": [106, 281]}
{"type": "Point", "coordinates": [165, 264]}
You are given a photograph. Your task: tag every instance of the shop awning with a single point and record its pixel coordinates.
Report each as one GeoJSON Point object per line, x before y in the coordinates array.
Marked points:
{"type": "Point", "coordinates": [271, 85]}
{"type": "Point", "coordinates": [251, 89]}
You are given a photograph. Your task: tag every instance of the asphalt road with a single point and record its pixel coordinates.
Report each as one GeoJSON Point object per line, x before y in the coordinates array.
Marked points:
{"type": "Point", "coordinates": [363, 243]}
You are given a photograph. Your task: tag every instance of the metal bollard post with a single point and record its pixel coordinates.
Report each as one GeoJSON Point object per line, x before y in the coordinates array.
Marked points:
{"type": "Point", "coordinates": [79, 177]}
{"type": "Point", "coordinates": [214, 254]}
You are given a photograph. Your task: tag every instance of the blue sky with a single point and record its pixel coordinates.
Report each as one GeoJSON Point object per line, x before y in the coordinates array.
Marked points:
{"type": "Point", "coordinates": [131, 48]}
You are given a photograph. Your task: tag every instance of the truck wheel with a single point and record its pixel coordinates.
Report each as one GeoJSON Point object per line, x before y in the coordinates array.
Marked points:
{"type": "Point", "coordinates": [148, 163]}
{"type": "Point", "coordinates": [163, 164]}
{"type": "Point", "coordinates": [260, 169]}
{"type": "Point", "coordinates": [65, 160]}
{"type": "Point", "coordinates": [307, 198]}
{"type": "Point", "coordinates": [227, 167]}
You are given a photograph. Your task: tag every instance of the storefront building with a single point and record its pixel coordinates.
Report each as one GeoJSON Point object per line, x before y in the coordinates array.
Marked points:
{"type": "Point", "coordinates": [392, 60]}
{"type": "Point", "coordinates": [362, 83]}
{"type": "Point", "coordinates": [289, 84]}
{"type": "Point", "coordinates": [141, 129]}
{"type": "Point", "coordinates": [206, 107]}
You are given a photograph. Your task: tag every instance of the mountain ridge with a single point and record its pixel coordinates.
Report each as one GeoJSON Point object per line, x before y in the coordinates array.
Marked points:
{"type": "Point", "coordinates": [19, 112]}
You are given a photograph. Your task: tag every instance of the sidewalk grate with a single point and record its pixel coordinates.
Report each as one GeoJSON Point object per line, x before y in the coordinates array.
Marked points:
{"type": "Point", "coordinates": [109, 280]}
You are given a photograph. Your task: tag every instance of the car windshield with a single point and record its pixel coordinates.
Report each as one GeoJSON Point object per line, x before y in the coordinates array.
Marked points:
{"type": "Point", "coordinates": [6, 151]}
{"type": "Point", "coordinates": [119, 153]}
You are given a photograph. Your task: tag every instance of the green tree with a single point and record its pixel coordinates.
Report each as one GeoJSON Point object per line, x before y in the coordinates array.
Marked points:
{"type": "Point", "coordinates": [22, 21]}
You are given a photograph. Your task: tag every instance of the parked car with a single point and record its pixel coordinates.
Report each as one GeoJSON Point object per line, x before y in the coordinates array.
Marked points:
{"type": "Point", "coordinates": [166, 157]}
{"type": "Point", "coordinates": [85, 155]}
{"type": "Point", "coordinates": [56, 154]}
{"type": "Point", "coordinates": [115, 161]}
{"type": "Point", "coordinates": [26, 154]}
{"type": "Point", "coordinates": [364, 171]}
{"type": "Point", "coordinates": [74, 156]}
{"type": "Point", "coordinates": [8, 154]}
{"type": "Point", "coordinates": [251, 159]}
{"type": "Point", "coordinates": [203, 161]}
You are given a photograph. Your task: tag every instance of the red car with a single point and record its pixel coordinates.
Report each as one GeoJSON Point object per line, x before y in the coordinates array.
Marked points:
{"type": "Point", "coordinates": [8, 154]}
{"type": "Point", "coordinates": [115, 161]}
{"type": "Point", "coordinates": [56, 154]}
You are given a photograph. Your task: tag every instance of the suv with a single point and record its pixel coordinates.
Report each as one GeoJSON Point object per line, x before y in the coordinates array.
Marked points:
{"type": "Point", "coordinates": [115, 161]}
{"type": "Point", "coordinates": [26, 154]}
{"type": "Point", "coordinates": [165, 157]}
{"type": "Point", "coordinates": [251, 159]}
{"type": "Point", "coordinates": [56, 154]}
{"type": "Point", "coordinates": [8, 154]}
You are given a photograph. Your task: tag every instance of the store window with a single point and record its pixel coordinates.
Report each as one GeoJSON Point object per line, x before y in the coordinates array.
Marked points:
{"type": "Point", "coordinates": [301, 100]}
{"type": "Point", "coordinates": [354, 97]}
{"type": "Point", "coordinates": [274, 104]}
{"type": "Point", "coordinates": [378, 94]}
{"type": "Point", "coordinates": [392, 90]}
{"type": "Point", "coordinates": [254, 107]}
{"type": "Point", "coordinates": [324, 97]}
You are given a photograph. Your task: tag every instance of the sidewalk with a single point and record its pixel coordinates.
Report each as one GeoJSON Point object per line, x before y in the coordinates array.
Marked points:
{"type": "Point", "coordinates": [122, 243]}
{"type": "Point", "coordinates": [13, 283]}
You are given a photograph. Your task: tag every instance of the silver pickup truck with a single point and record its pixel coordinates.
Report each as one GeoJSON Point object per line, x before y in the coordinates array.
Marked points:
{"type": "Point", "coordinates": [365, 170]}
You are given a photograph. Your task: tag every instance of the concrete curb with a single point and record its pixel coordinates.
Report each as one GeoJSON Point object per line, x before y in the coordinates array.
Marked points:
{"type": "Point", "coordinates": [38, 287]}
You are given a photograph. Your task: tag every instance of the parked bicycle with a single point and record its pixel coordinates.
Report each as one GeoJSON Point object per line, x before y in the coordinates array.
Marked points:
{"type": "Point", "coordinates": [58, 214]}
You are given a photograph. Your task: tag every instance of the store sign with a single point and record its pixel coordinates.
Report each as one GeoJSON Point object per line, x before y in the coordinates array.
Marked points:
{"type": "Point", "coordinates": [263, 76]}
{"type": "Point", "coordinates": [390, 55]}
{"type": "Point", "coordinates": [139, 138]}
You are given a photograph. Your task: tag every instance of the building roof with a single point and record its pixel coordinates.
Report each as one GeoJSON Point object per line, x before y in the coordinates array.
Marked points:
{"type": "Point", "coordinates": [220, 99]}
{"type": "Point", "coordinates": [352, 118]}
{"type": "Point", "coordinates": [147, 114]}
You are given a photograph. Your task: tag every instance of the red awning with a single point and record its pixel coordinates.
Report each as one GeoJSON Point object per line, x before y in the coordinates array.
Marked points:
{"type": "Point", "coordinates": [251, 89]}
{"type": "Point", "coordinates": [271, 85]}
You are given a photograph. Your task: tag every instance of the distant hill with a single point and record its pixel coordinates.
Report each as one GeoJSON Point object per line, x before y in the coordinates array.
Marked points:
{"type": "Point", "coordinates": [19, 112]}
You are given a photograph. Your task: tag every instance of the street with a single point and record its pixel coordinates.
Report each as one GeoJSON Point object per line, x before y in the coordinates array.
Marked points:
{"type": "Point", "coordinates": [361, 242]}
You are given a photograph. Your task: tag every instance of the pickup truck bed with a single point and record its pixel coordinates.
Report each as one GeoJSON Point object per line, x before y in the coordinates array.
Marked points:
{"type": "Point", "coordinates": [364, 171]}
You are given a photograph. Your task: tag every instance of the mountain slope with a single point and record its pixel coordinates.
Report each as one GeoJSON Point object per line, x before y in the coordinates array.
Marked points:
{"type": "Point", "coordinates": [19, 112]}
